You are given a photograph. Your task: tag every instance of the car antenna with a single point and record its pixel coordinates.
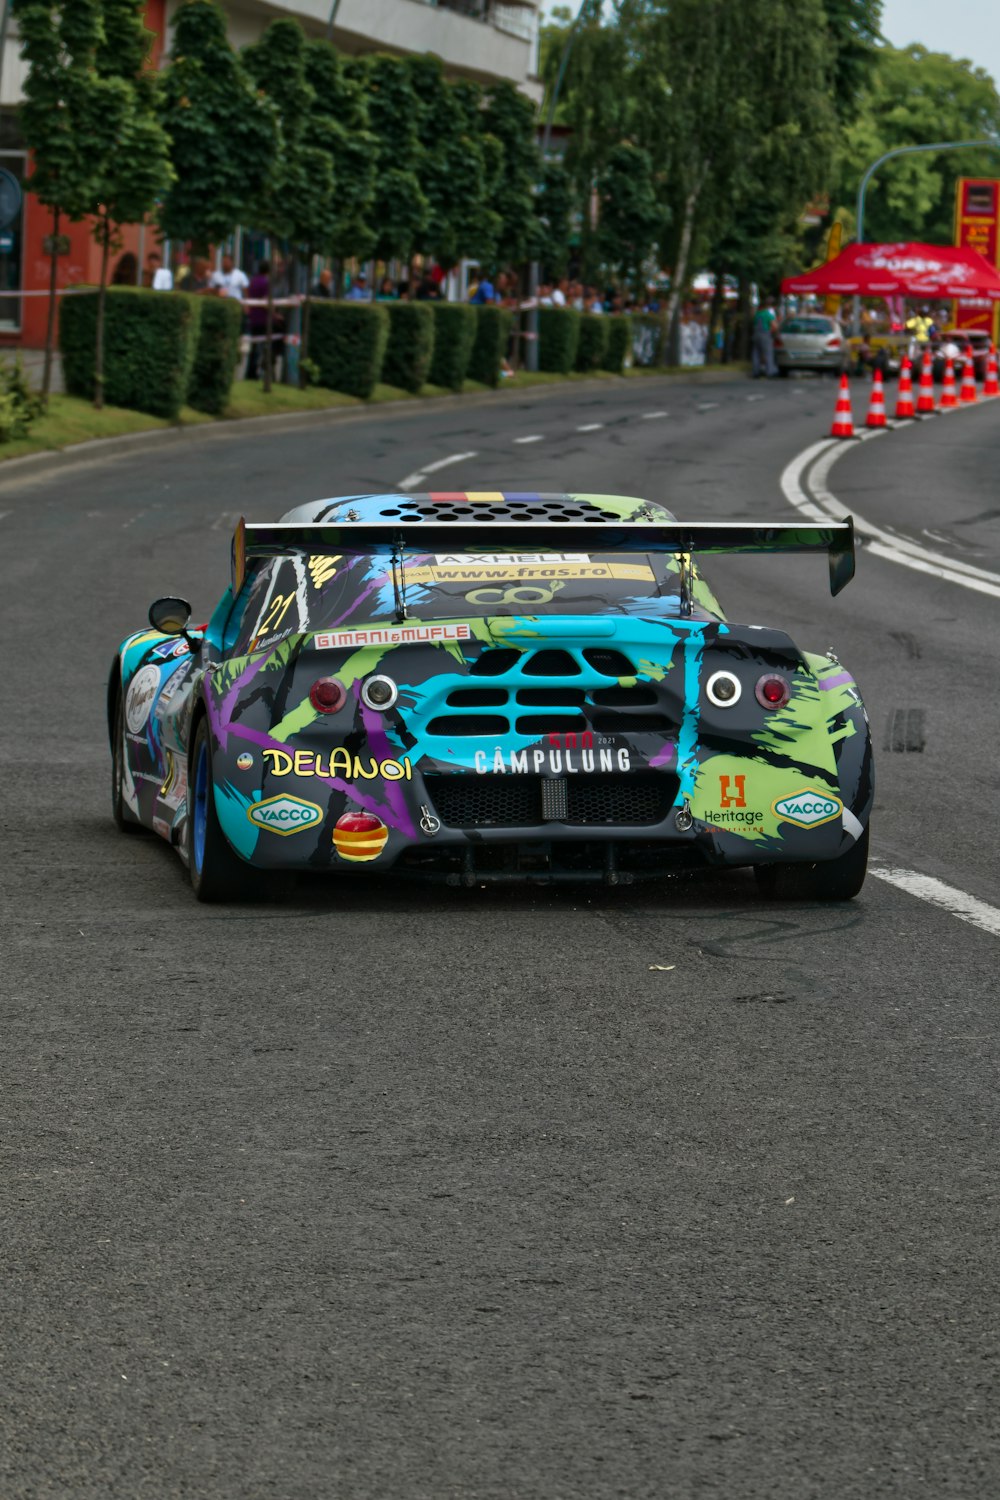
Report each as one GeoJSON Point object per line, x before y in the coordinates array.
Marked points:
{"type": "Point", "coordinates": [686, 567]}
{"type": "Point", "coordinates": [398, 578]}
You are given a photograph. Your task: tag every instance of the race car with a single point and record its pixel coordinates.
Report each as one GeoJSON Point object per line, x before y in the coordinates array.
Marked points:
{"type": "Point", "coordinates": [488, 687]}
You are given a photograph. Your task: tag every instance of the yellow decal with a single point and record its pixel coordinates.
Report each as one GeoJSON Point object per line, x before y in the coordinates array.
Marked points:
{"type": "Point", "coordinates": [322, 569]}
{"type": "Point", "coordinates": [338, 763]}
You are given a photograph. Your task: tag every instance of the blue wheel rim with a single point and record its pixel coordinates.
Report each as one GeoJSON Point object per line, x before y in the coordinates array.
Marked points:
{"type": "Point", "coordinates": [200, 808]}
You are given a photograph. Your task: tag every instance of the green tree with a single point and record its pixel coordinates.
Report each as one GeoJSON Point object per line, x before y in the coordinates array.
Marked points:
{"type": "Point", "coordinates": [915, 96]}
{"type": "Point", "coordinates": [510, 118]}
{"type": "Point", "coordinates": [399, 207]}
{"type": "Point", "coordinates": [631, 218]}
{"type": "Point", "coordinates": [554, 206]}
{"type": "Point", "coordinates": [223, 134]}
{"type": "Point", "coordinates": [454, 175]}
{"type": "Point", "coordinates": [129, 145]}
{"type": "Point", "coordinates": [342, 99]}
{"type": "Point", "coordinates": [294, 204]}
{"type": "Point", "coordinates": [64, 99]}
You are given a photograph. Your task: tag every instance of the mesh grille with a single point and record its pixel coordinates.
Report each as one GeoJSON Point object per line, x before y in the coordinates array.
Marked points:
{"type": "Point", "coordinates": [516, 801]}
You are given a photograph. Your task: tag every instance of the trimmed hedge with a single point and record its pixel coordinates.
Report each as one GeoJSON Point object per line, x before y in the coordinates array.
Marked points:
{"type": "Point", "coordinates": [648, 335]}
{"type": "Point", "coordinates": [592, 347]}
{"type": "Point", "coordinates": [619, 342]}
{"type": "Point", "coordinates": [216, 356]}
{"type": "Point", "coordinates": [558, 339]}
{"type": "Point", "coordinates": [490, 345]}
{"type": "Point", "coordinates": [410, 350]}
{"type": "Point", "coordinates": [347, 344]}
{"type": "Point", "coordinates": [454, 336]}
{"type": "Point", "coordinates": [149, 347]}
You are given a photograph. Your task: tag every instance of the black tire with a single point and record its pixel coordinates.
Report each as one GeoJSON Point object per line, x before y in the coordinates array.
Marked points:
{"type": "Point", "coordinates": [832, 880]}
{"type": "Point", "coordinates": [125, 819]}
{"type": "Point", "coordinates": [217, 874]}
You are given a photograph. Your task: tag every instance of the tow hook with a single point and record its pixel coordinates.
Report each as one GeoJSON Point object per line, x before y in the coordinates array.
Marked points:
{"type": "Point", "coordinates": [429, 824]}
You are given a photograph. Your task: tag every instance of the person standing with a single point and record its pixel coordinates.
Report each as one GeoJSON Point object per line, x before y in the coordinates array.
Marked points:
{"type": "Point", "coordinates": [763, 340]}
{"type": "Point", "coordinates": [158, 278]}
{"type": "Point", "coordinates": [230, 281]}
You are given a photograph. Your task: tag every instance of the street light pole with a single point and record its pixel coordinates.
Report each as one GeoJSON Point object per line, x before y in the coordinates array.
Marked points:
{"type": "Point", "coordinates": [531, 353]}
{"type": "Point", "coordinates": [335, 6]}
{"type": "Point", "coordinates": [887, 156]}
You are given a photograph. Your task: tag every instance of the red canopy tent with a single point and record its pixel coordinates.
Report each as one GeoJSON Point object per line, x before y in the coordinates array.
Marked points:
{"type": "Point", "coordinates": [937, 272]}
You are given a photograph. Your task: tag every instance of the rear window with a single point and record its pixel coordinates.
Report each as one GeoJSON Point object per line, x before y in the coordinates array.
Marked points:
{"type": "Point", "coordinates": [289, 595]}
{"type": "Point", "coordinates": [808, 325]}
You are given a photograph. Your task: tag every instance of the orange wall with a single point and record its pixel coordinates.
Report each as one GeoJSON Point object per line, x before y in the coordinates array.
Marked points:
{"type": "Point", "coordinates": [83, 263]}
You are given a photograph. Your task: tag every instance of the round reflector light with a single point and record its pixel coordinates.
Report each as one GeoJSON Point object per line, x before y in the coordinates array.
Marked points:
{"type": "Point", "coordinates": [327, 695]}
{"type": "Point", "coordinates": [773, 690]}
{"type": "Point", "coordinates": [723, 689]}
{"type": "Point", "coordinates": [379, 693]}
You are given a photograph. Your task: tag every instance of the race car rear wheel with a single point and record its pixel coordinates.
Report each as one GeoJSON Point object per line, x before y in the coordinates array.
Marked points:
{"type": "Point", "coordinates": [833, 880]}
{"type": "Point", "coordinates": [125, 819]}
{"type": "Point", "coordinates": [217, 874]}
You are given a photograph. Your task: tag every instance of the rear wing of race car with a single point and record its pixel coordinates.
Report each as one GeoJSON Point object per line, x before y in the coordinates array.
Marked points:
{"type": "Point", "coordinates": [680, 538]}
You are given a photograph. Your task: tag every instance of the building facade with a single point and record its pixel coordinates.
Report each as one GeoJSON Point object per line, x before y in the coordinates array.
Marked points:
{"type": "Point", "coordinates": [485, 40]}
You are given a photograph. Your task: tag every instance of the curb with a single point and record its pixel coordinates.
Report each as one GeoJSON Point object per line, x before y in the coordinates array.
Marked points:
{"type": "Point", "coordinates": [75, 453]}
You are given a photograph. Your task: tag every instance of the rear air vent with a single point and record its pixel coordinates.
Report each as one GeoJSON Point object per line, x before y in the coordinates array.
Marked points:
{"type": "Point", "coordinates": [465, 725]}
{"type": "Point", "coordinates": [640, 696]}
{"type": "Point", "coordinates": [551, 664]}
{"type": "Point", "coordinates": [494, 663]}
{"type": "Point", "coordinates": [478, 698]}
{"type": "Point", "coordinates": [539, 724]}
{"type": "Point", "coordinates": [609, 663]}
{"type": "Point", "coordinates": [551, 697]}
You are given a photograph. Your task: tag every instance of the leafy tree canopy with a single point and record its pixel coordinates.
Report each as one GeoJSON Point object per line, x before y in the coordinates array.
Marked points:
{"type": "Point", "coordinates": [223, 132]}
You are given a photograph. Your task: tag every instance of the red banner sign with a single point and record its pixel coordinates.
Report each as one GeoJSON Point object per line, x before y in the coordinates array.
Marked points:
{"type": "Point", "coordinates": [977, 227]}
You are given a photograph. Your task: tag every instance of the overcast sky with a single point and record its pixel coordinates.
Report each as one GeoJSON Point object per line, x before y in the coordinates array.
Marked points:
{"type": "Point", "coordinates": [965, 28]}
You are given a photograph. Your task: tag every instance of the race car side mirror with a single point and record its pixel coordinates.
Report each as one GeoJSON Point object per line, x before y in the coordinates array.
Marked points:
{"type": "Point", "coordinates": [169, 616]}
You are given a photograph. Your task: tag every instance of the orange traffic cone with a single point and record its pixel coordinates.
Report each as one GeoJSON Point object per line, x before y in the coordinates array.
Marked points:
{"type": "Point", "coordinates": [968, 393]}
{"type": "Point", "coordinates": [991, 385]}
{"type": "Point", "coordinates": [948, 396]}
{"type": "Point", "coordinates": [843, 421]}
{"type": "Point", "coordinates": [876, 406]}
{"type": "Point", "coordinates": [925, 395]}
{"type": "Point", "coordinates": [904, 396]}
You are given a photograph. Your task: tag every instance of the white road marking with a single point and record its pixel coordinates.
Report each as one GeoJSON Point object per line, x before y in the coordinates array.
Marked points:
{"type": "Point", "coordinates": [227, 519]}
{"type": "Point", "coordinates": [419, 475]}
{"type": "Point", "coordinates": [948, 897]}
{"type": "Point", "coordinates": [536, 437]}
{"type": "Point", "coordinates": [651, 416]}
{"type": "Point", "coordinates": [814, 499]}
{"type": "Point", "coordinates": [590, 426]}
{"type": "Point", "coordinates": [707, 405]}
{"type": "Point", "coordinates": [754, 398]}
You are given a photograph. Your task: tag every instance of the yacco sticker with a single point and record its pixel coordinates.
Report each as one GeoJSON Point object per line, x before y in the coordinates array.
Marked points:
{"type": "Point", "coordinates": [556, 762]}
{"type": "Point", "coordinates": [284, 814]}
{"type": "Point", "coordinates": [139, 699]}
{"type": "Point", "coordinates": [808, 807]}
{"type": "Point", "coordinates": [359, 837]}
{"type": "Point", "coordinates": [389, 635]}
{"type": "Point", "coordinates": [339, 762]}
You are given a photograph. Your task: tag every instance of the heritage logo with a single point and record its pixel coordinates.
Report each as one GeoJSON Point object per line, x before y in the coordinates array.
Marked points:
{"type": "Point", "coordinates": [284, 814]}
{"type": "Point", "coordinates": [808, 808]}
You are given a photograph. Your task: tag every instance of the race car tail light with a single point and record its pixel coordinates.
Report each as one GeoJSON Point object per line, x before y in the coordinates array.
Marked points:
{"type": "Point", "coordinates": [833, 343]}
{"type": "Point", "coordinates": [773, 690]}
{"type": "Point", "coordinates": [379, 693]}
{"type": "Point", "coordinates": [327, 695]}
{"type": "Point", "coordinates": [723, 689]}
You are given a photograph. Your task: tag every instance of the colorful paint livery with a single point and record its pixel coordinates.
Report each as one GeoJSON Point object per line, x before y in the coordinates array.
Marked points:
{"type": "Point", "coordinates": [483, 685]}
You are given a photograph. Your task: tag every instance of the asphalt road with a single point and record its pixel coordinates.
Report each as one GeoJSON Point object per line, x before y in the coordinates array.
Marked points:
{"type": "Point", "coordinates": [390, 1192]}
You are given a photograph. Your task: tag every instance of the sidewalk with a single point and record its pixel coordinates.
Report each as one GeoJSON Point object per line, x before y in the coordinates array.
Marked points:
{"type": "Point", "coordinates": [33, 361]}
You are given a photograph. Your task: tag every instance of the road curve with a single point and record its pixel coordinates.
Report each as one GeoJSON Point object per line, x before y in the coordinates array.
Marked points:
{"type": "Point", "coordinates": [381, 1191]}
